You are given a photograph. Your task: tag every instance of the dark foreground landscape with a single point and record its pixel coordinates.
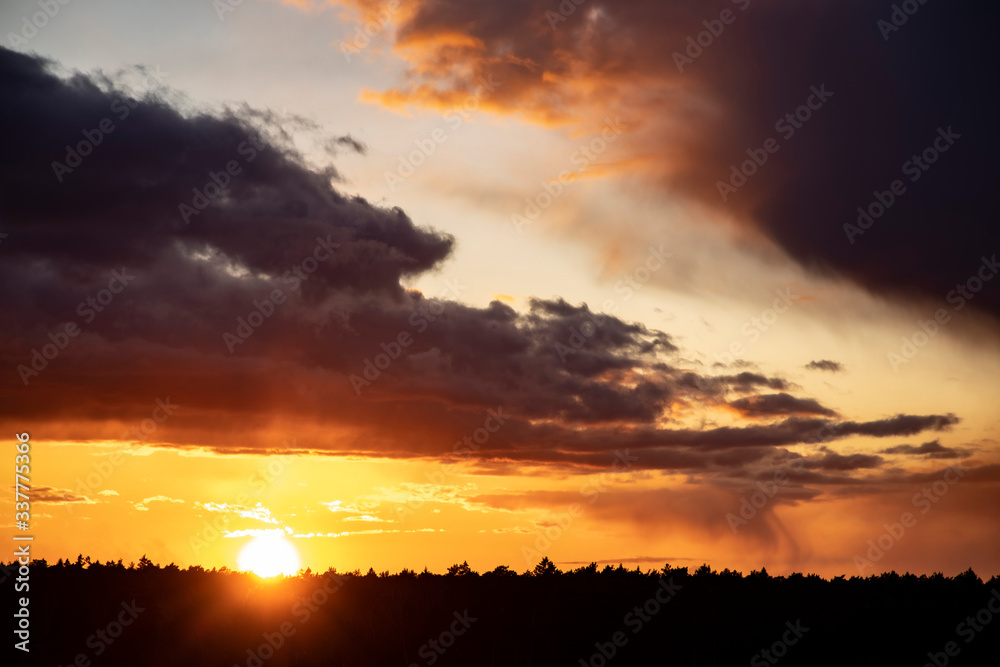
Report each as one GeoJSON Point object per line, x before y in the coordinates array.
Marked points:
{"type": "Point", "coordinates": [85, 614]}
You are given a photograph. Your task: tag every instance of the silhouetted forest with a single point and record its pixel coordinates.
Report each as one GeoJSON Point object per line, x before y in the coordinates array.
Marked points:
{"type": "Point", "coordinates": [90, 613]}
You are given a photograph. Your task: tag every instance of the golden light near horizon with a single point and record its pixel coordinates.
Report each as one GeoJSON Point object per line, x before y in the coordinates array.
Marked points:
{"type": "Point", "coordinates": [269, 556]}
{"type": "Point", "coordinates": [444, 385]}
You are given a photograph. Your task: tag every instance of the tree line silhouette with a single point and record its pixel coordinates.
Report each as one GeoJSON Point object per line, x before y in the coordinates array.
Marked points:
{"type": "Point", "coordinates": [589, 615]}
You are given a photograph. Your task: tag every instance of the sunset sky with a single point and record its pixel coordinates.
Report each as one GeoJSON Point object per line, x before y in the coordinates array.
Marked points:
{"type": "Point", "coordinates": [414, 282]}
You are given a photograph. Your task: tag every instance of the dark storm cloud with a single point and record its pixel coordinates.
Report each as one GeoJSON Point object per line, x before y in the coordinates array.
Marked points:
{"type": "Point", "coordinates": [121, 204]}
{"type": "Point", "coordinates": [105, 244]}
{"type": "Point", "coordinates": [694, 450]}
{"type": "Point", "coordinates": [931, 450]}
{"type": "Point", "coordinates": [911, 102]}
{"type": "Point", "coordinates": [769, 405]}
{"type": "Point", "coordinates": [185, 222]}
{"type": "Point", "coordinates": [825, 365]}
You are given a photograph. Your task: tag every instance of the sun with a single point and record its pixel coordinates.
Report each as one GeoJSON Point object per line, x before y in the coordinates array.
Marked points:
{"type": "Point", "coordinates": [269, 556]}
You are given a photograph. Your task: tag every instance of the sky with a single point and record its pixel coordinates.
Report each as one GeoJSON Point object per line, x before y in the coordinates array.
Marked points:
{"type": "Point", "coordinates": [413, 283]}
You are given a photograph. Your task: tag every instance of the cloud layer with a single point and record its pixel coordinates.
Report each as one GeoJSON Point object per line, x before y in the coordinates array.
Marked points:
{"type": "Point", "coordinates": [834, 101]}
{"type": "Point", "coordinates": [186, 277]}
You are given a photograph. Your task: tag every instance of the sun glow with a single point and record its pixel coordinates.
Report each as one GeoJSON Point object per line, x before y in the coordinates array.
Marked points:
{"type": "Point", "coordinates": [269, 556]}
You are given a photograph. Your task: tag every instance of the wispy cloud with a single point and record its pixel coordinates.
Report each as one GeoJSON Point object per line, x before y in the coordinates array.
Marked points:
{"type": "Point", "coordinates": [143, 505]}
